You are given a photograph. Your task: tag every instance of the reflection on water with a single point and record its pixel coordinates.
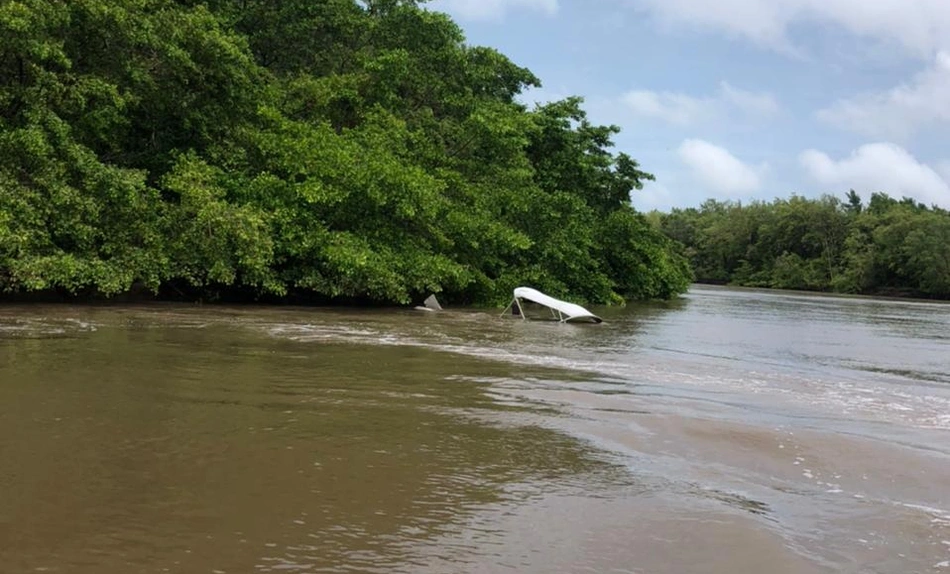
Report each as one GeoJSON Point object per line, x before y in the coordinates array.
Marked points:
{"type": "Point", "coordinates": [732, 431]}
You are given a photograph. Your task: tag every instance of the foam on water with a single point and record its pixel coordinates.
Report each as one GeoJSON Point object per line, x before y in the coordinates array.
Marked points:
{"type": "Point", "coordinates": [869, 400]}
{"type": "Point", "coordinates": [937, 515]}
{"type": "Point", "coordinates": [42, 327]}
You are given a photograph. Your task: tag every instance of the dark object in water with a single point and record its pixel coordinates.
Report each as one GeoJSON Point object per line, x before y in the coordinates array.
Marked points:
{"type": "Point", "coordinates": [430, 304]}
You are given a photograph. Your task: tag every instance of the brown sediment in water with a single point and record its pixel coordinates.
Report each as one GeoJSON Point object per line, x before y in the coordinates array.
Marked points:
{"type": "Point", "coordinates": [627, 532]}
{"type": "Point", "coordinates": [176, 439]}
{"type": "Point", "coordinates": [825, 501]}
{"type": "Point", "coordinates": [856, 463]}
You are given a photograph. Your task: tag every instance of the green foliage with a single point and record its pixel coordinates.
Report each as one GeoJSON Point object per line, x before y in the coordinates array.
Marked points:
{"type": "Point", "coordinates": [889, 246]}
{"type": "Point", "coordinates": [332, 148]}
{"type": "Point", "coordinates": [70, 221]}
{"type": "Point", "coordinates": [644, 260]}
{"type": "Point", "coordinates": [212, 241]}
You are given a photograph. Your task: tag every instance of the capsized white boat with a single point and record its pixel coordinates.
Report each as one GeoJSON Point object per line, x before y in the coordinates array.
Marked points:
{"type": "Point", "coordinates": [560, 310]}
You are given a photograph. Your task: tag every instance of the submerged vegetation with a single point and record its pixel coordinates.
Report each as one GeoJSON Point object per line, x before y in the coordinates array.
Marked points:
{"type": "Point", "coordinates": [889, 246]}
{"type": "Point", "coordinates": [332, 149]}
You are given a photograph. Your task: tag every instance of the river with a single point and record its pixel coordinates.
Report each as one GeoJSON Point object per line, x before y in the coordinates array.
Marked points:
{"type": "Point", "coordinates": [728, 431]}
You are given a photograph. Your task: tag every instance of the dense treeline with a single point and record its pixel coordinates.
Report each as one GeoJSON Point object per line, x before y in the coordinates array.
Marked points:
{"type": "Point", "coordinates": [330, 148]}
{"type": "Point", "coordinates": [889, 246]}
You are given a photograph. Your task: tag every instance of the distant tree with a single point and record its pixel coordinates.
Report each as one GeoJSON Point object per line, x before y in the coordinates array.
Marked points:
{"type": "Point", "coordinates": [854, 205]}
{"type": "Point", "coordinates": [897, 247]}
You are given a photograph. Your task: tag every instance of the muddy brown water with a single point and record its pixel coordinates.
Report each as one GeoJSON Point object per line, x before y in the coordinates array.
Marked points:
{"type": "Point", "coordinates": [730, 431]}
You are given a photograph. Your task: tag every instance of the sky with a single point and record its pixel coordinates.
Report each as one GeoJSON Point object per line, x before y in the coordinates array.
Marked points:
{"type": "Point", "coordinates": [745, 99]}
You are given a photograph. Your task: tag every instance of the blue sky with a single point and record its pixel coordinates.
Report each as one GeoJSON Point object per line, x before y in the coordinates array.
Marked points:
{"type": "Point", "coordinates": [746, 99]}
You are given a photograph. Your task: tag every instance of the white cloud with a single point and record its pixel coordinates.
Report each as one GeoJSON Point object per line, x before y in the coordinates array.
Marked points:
{"type": "Point", "coordinates": [758, 103]}
{"type": "Point", "coordinates": [674, 108]}
{"type": "Point", "coordinates": [654, 195]}
{"type": "Point", "coordinates": [898, 112]}
{"type": "Point", "coordinates": [685, 110]}
{"type": "Point", "coordinates": [919, 26]}
{"type": "Point", "coordinates": [943, 168]}
{"type": "Point", "coordinates": [493, 9]}
{"type": "Point", "coordinates": [718, 169]}
{"type": "Point", "coordinates": [879, 167]}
